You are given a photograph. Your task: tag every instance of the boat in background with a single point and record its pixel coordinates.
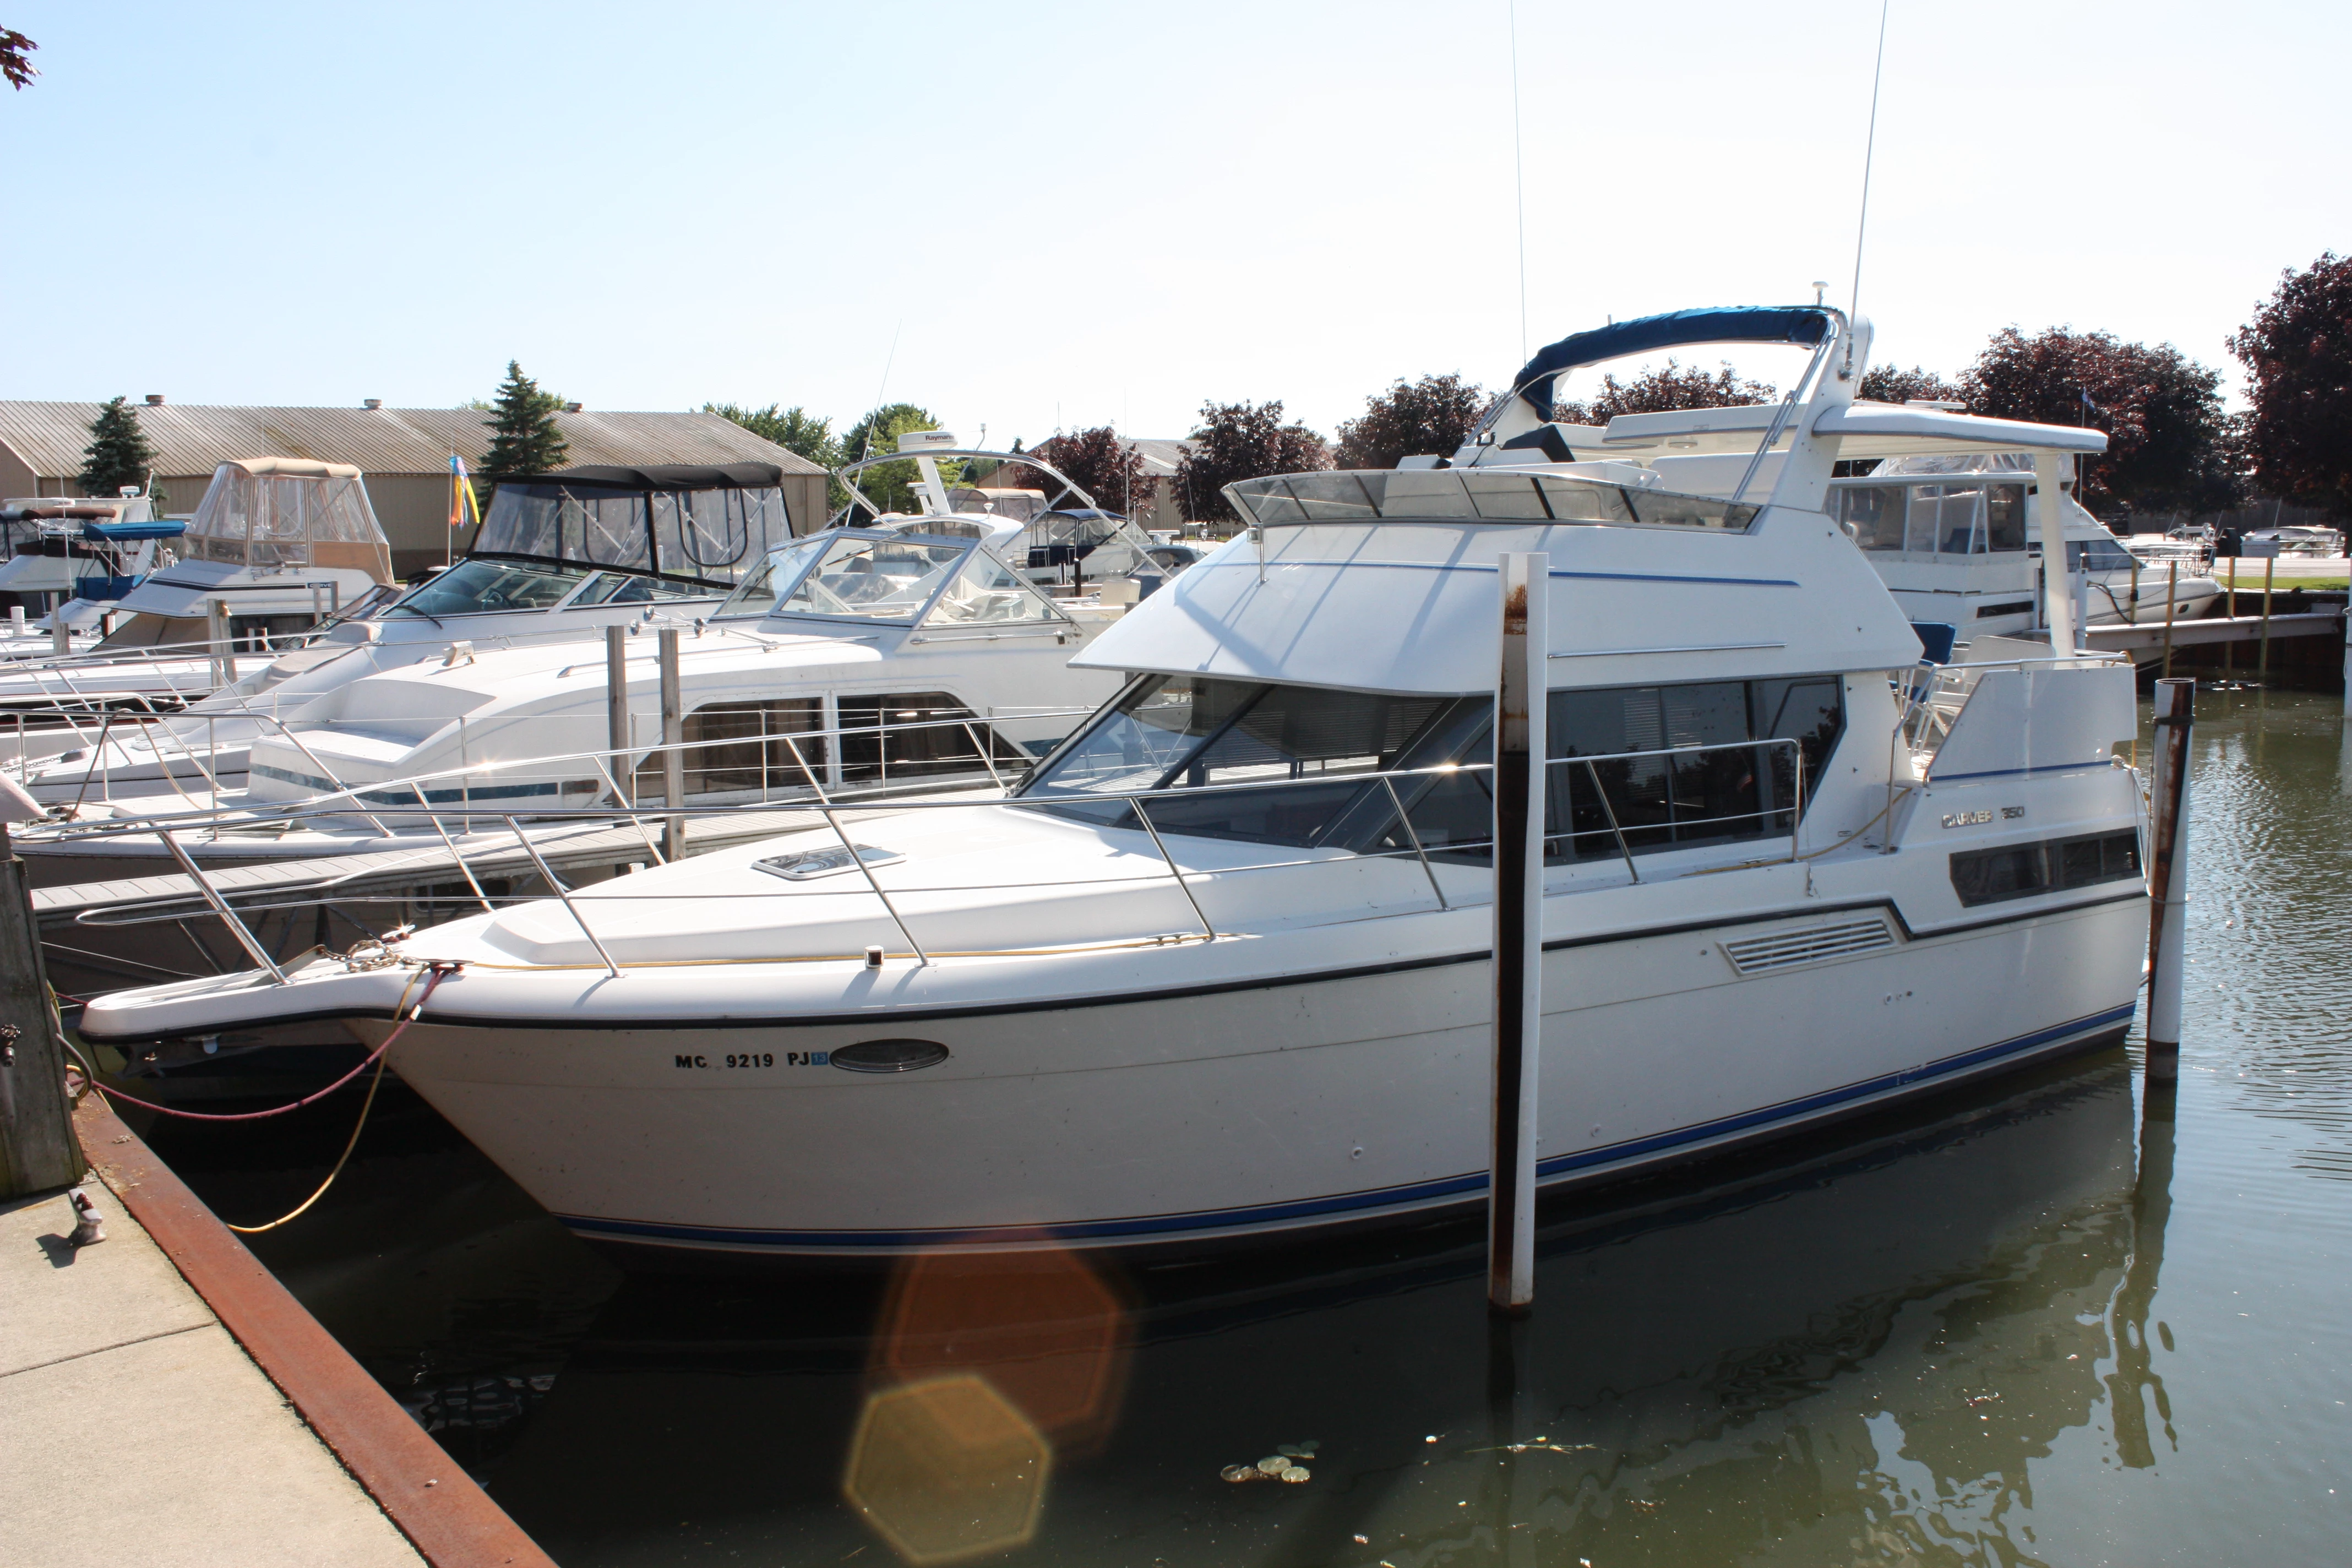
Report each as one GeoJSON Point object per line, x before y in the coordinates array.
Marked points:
{"type": "Point", "coordinates": [560, 557]}
{"type": "Point", "coordinates": [75, 559]}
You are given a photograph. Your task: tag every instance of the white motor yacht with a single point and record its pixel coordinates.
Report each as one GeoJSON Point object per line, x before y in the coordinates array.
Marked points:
{"type": "Point", "coordinates": [560, 557]}
{"type": "Point", "coordinates": [879, 656]}
{"type": "Point", "coordinates": [1219, 968]}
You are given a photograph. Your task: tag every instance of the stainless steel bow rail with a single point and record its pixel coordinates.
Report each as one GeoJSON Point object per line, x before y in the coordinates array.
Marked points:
{"type": "Point", "coordinates": [828, 808]}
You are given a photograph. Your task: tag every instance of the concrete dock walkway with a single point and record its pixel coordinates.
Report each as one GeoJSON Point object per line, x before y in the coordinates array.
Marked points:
{"type": "Point", "coordinates": [164, 1402]}
{"type": "Point", "coordinates": [136, 1429]}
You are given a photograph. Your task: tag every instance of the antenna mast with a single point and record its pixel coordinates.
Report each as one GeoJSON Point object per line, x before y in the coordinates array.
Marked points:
{"type": "Point", "coordinates": [1869, 148]}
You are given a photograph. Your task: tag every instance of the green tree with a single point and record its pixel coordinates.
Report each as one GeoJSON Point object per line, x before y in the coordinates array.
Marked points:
{"type": "Point", "coordinates": [2297, 351]}
{"type": "Point", "coordinates": [2170, 442]}
{"type": "Point", "coordinates": [523, 437]}
{"type": "Point", "coordinates": [118, 453]}
{"type": "Point", "coordinates": [1658, 391]}
{"type": "Point", "coordinates": [1435, 413]}
{"type": "Point", "coordinates": [795, 430]}
{"type": "Point", "coordinates": [1239, 441]}
{"type": "Point", "coordinates": [891, 486]}
{"type": "Point", "coordinates": [1887, 383]}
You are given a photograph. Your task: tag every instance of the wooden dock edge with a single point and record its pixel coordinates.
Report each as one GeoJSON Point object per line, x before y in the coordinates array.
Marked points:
{"type": "Point", "coordinates": [450, 1521]}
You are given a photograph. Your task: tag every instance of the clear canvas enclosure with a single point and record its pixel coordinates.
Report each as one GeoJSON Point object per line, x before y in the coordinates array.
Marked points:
{"type": "Point", "coordinates": [701, 524]}
{"type": "Point", "coordinates": [277, 514]}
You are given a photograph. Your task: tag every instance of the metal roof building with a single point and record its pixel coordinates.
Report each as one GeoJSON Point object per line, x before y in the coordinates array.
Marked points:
{"type": "Point", "coordinates": [404, 452]}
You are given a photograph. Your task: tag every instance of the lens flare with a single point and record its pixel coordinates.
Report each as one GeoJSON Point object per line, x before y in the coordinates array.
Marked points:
{"type": "Point", "coordinates": [948, 1470]}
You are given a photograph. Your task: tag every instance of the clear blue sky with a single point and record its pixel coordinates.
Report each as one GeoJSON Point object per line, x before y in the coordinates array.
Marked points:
{"type": "Point", "coordinates": [1091, 213]}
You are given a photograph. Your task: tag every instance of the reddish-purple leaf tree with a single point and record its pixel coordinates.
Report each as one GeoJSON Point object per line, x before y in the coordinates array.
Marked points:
{"type": "Point", "coordinates": [1433, 415]}
{"type": "Point", "coordinates": [2297, 351]}
{"type": "Point", "coordinates": [1888, 383]}
{"type": "Point", "coordinates": [1097, 461]}
{"type": "Point", "coordinates": [1669, 386]}
{"type": "Point", "coordinates": [1241, 441]}
{"type": "Point", "coordinates": [15, 65]}
{"type": "Point", "coordinates": [2170, 442]}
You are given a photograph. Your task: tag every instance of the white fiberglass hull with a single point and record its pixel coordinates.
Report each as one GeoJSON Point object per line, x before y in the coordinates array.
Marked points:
{"type": "Point", "coordinates": [1220, 1108]}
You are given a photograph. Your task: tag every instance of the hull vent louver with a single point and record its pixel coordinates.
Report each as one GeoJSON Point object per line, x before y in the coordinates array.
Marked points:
{"type": "Point", "coordinates": [1789, 950]}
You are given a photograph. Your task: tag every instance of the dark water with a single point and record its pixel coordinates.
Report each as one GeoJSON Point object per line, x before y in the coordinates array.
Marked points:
{"type": "Point", "coordinates": [2044, 1324]}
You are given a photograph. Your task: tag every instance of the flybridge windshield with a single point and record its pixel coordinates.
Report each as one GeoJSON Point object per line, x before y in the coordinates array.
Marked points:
{"type": "Point", "coordinates": [1475, 495]}
{"type": "Point", "coordinates": [714, 536]}
{"type": "Point", "coordinates": [890, 577]}
{"type": "Point", "coordinates": [479, 586]}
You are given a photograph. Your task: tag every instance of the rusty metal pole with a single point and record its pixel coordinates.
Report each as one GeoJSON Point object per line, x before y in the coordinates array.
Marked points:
{"type": "Point", "coordinates": [616, 708]}
{"type": "Point", "coordinates": [673, 723]}
{"type": "Point", "coordinates": [1521, 701]}
{"type": "Point", "coordinates": [2167, 874]}
{"type": "Point", "coordinates": [39, 1152]}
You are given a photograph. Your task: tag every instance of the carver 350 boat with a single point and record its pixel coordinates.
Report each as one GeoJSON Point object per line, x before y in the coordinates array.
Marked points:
{"type": "Point", "coordinates": [1220, 968]}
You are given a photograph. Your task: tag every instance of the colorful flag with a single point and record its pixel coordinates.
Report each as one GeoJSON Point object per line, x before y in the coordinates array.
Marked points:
{"type": "Point", "coordinates": [462, 498]}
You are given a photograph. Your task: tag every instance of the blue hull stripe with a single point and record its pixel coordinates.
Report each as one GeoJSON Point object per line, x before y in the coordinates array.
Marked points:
{"type": "Point", "coordinates": [1347, 1203]}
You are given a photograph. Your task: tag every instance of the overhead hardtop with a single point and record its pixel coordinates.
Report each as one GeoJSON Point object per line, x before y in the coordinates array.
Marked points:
{"type": "Point", "coordinates": [289, 515]}
{"type": "Point", "coordinates": [1520, 429]}
{"type": "Point", "coordinates": [691, 523]}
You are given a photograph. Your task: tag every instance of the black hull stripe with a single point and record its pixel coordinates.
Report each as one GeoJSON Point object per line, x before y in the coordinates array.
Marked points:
{"type": "Point", "coordinates": [1789, 1113]}
{"type": "Point", "coordinates": [1071, 1003]}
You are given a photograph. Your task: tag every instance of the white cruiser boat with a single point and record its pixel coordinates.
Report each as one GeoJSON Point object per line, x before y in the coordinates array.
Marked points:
{"type": "Point", "coordinates": [1219, 968]}
{"type": "Point", "coordinates": [276, 546]}
{"type": "Point", "coordinates": [560, 557]}
{"type": "Point", "coordinates": [870, 657]}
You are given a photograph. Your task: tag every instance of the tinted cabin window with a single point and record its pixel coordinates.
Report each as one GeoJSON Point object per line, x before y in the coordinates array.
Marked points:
{"type": "Point", "coordinates": [2053, 865]}
{"type": "Point", "coordinates": [897, 734]}
{"type": "Point", "coordinates": [1184, 733]}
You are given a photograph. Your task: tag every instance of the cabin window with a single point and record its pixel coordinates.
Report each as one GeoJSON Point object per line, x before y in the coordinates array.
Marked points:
{"type": "Point", "coordinates": [1944, 520]}
{"type": "Point", "coordinates": [2053, 865]}
{"type": "Point", "coordinates": [1181, 732]}
{"type": "Point", "coordinates": [734, 748]}
{"type": "Point", "coordinates": [2005, 517]}
{"type": "Point", "coordinates": [909, 735]}
{"type": "Point", "coordinates": [1875, 512]}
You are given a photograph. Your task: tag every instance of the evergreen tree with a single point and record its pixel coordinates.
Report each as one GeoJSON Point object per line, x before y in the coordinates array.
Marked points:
{"type": "Point", "coordinates": [523, 437]}
{"type": "Point", "coordinates": [118, 453]}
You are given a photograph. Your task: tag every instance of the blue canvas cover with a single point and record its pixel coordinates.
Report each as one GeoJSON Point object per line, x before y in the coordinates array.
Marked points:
{"type": "Point", "coordinates": [1803, 325]}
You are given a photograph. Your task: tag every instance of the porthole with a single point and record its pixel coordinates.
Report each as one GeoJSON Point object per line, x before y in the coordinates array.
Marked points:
{"type": "Point", "coordinates": [891, 1056]}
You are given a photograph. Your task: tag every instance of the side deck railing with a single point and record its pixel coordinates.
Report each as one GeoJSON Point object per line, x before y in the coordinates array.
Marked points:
{"type": "Point", "coordinates": [1401, 790]}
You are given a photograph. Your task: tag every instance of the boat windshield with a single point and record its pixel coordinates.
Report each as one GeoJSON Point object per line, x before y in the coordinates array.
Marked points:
{"type": "Point", "coordinates": [773, 578]}
{"type": "Point", "coordinates": [1670, 766]}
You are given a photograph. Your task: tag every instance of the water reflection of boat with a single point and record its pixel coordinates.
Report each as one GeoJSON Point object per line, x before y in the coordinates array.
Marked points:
{"type": "Point", "coordinates": [1899, 1326]}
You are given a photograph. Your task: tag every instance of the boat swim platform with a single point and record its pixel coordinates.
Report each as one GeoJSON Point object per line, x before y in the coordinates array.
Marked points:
{"type": "Point", "coordinates": [164, 1400]}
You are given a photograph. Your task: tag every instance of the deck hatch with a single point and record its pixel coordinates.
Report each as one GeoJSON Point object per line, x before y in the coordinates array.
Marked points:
{"type": "Point", "coordinates": [1791, 949]}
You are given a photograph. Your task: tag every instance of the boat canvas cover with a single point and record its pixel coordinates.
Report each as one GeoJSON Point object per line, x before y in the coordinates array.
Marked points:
{"type": "Point", "coordinates": [708, 523]}
{"type": "Point", "coordinates": [281, 513]}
